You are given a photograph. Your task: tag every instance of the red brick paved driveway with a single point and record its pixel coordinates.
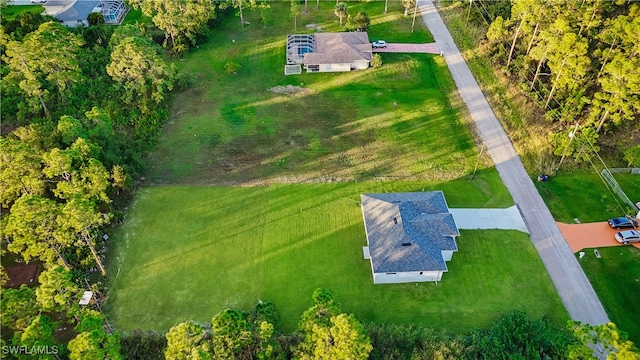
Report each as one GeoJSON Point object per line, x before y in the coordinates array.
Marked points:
{"type": "Point", "coordinates": [590, 235]}
{"type": "Point", "coordinates": [430, 48]}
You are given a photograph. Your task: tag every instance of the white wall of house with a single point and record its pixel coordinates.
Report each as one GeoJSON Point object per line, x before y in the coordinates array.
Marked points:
{"type": "Point", "coordinates": [76, 23]}
{"type": "Point", "coordinates": [447, 255]}
{"type": "Point", "coordinates": [407, 277]}
{"type": "Point", "coordinates": [360, 64]}
{"type": "Point", "coordinates": [335, 67]}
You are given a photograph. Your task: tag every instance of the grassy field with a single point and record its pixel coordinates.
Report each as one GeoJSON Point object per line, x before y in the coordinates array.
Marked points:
{"type": "Point", "coordinates": [189, 252]}
{"type": "Point", "coordinates": [618, 292]}
{"type": "Point", "coordinates": [11, 12]}
{"type": "Point", "coordinates": [394, 122]}
{"type": "Point", "coordinates": [585, 196]}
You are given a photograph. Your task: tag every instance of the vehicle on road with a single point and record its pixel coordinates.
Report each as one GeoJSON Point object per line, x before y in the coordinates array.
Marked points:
{"type": "Point", "coordinates": [38, 1]}
{"type": "Point", "coordinates": [623, 222]}
{"type": "Point", "coordinates": [379, 44]}
{"type": "Point", "coordinates": [627, 236]}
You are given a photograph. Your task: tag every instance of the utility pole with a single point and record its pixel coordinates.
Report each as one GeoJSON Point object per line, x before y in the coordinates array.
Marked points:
{"type": "Point", "coordinates": [415, 10]}
{"type": "Point", "coordinates": [484, 145]}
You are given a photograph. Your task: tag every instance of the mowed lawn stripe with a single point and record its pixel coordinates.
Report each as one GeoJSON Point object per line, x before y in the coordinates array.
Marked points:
{"type": "Point", "coordinates": [216, 247]}
{"type": "Point", "coordinates": [185, 246]}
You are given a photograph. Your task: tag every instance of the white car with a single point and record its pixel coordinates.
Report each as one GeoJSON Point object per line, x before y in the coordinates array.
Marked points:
{"type": "Point", "coordinates": [629, 236]}
{"type": "Point", "coordinates": [38, 1]}
{"type": "Point", "coordinates": [379, 44]}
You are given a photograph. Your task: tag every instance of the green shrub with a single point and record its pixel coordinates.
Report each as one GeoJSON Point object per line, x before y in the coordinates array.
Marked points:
{"type": "Point", "coordinates": [632, 156]}
{"type": "Point", "coordinates": [376, 61]}
{"type": "Point", "coordinates": [232, 67]}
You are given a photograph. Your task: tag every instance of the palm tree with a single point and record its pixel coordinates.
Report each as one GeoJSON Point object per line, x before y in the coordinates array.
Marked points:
{"type": "Point", "coordinates": [95, 18]}
{"type": "Point", "coordinates": [341, 11]}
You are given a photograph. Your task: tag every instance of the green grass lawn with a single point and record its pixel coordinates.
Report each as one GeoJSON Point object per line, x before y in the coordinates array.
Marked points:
{"type": "Point", "coordinates": [616, 279]}
{"type": "Point", "coordinates": [189, 252]}
{"type": "Point", "coordinates": [11, 12]}
{"type": "Point", "coordinates": [584, 196]}
{"type": "Point", "coordinates": [394, 122]}
{"type": "Point", "coordinates": [135, 17]}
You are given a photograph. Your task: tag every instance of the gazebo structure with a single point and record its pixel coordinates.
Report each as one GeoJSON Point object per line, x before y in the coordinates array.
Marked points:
{"type": "Point", "coordinates": [113, 11]}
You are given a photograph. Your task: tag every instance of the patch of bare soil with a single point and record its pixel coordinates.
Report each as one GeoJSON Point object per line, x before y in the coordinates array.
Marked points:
{"type": "Point", "coordinates": [289, 90]}
{"type": "Point", "coordinates": [316, 27]}
{"type": "Point", "coordinates": [21, 274]}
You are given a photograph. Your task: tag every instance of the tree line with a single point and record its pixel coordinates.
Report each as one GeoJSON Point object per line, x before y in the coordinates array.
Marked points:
{"type": "Point", "coordinates": [325, 332]}
{"type": "Point", "coordinates": [577, 61]}
{"type": "Point", "coordinates": [82, 134]}
{"type": "Point", "coordinates": [80, 109]}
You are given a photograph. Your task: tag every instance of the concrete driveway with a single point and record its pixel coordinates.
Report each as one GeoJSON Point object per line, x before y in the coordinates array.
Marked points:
{"type": "Point", "coordinates": [430, 48]}
{"type": "Point", "coordinates": [505, 219]}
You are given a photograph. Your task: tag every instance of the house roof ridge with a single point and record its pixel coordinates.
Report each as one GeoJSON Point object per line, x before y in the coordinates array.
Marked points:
{"type": "Point", "coordinates": [419, 218]}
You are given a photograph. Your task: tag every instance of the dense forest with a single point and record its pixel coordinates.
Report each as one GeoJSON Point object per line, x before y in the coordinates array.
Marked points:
{"type": "Point", "coordinates": [81, 108]}
{"type": "Point", "coordinates": [577, 64]}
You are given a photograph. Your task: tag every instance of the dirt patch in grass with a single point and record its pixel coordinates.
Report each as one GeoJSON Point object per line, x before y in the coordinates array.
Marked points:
{"type": "Point", "coordinates": [288, 90]}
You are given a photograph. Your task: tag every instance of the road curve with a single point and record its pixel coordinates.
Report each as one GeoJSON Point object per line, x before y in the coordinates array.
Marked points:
{"type": "Point", "coordinates": [572, 285]}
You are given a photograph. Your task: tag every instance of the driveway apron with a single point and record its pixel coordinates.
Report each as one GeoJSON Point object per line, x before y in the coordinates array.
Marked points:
{"type": "Point", "coordinates": [504, 219]}
{"type": "Point", "coordinates": [572, 285]}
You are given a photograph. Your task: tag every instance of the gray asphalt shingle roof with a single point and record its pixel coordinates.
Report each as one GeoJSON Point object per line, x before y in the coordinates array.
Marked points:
{"type": "Point", "coordinates": [78, 11]}
{"type": "Point", "coordinates": [395, 220]}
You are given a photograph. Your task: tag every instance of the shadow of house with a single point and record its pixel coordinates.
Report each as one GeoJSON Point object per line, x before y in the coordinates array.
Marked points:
{"type": "Point", "coordinates": [410, 236]}
{"type": "Point", "coordinates": [75, 12]}
{"type": "Point", "coordinates": [330, 52]}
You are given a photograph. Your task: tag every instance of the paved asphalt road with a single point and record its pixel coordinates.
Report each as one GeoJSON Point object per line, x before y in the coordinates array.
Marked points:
{"type": "Point", "coordinates": [574, 288]}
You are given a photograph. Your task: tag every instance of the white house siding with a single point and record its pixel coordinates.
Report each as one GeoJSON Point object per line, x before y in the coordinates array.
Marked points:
{"type": "Point", "coordinates": [335, 67]}
{"type": "Point", "coordinates": [366, 253]}
{"type": "Point", "coordinates": [406, 277]}
{"type": "Point", "coordinates": [76, 23]}
{"type": "Point", "coordinates": [360, 64]}
{"type": "Point", "coordinates": [446, 255]}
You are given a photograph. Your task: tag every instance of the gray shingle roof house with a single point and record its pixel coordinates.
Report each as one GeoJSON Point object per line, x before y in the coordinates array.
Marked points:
{"type": "Point", "coordinates": [410, 236]}
{"type": "Point", "coordinates": [330, 52]}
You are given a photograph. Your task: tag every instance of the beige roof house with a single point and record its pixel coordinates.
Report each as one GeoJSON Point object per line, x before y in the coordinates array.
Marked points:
{"type": "Point", "coordinates": [330, 52]}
